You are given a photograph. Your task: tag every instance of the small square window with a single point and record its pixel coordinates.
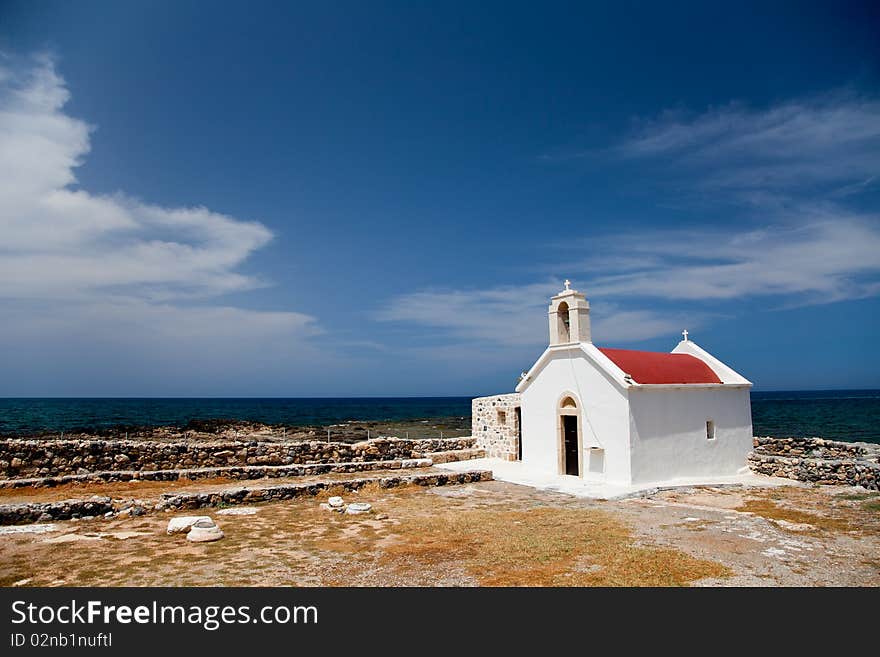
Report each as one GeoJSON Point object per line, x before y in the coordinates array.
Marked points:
{"type": "Point", "coordinates": [502, 417]}
{"type": "Point", "coordinates": [710, 430]}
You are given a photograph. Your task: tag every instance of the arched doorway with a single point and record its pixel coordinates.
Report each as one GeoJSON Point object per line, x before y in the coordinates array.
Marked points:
{"type": "Point", "coordinates": [570, 440]}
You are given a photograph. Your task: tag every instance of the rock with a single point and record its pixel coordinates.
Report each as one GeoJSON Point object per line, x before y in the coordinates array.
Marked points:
{"type": "Point", "coordinates": [182, 524]}
{"type": "Point", "coordinates": [124, 536]}
{"type": "Point", "coordinates": [357, 508]}
{"type": "Point", "coordinates": [204, 531]}
{"type": "Point", "coordinates": [793, 526]}
{"type": "Point", "coordinates": [336, 502]}
{"type": "Point", "coordinates": [72, 538]}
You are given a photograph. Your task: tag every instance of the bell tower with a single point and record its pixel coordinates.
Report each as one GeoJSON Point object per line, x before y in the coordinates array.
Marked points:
{"type": "Point", "coordinates": [569, 317]}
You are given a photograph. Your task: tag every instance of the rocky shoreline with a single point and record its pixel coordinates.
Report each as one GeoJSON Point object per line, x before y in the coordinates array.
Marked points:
{"type": "Point", "coordinates": [209, 430]}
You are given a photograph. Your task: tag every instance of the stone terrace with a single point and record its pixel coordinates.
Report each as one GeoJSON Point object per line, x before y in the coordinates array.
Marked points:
{"type": "Point", "coordinates": [63, 479]}
{"type": "Point", "coordinates": [44, 506]}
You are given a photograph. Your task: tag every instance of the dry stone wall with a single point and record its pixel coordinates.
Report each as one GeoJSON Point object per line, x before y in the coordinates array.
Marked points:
{"type": "Point", "coordinates": [818, 461]}
{"type": "Point", "coordinates": [242, 472]}
{"type": "Point", "coordinates": [54, 458]}
{"type": "Point", "coordinates": [13, 514]}
{"type": "Point", "coordinates": [177, 501]}
{"type": "Point", "coordinates": [495, 425]}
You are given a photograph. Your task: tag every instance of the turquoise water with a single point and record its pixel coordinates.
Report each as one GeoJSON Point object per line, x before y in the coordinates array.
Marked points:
{"type": "Point", "coordinates": [46, 414]}
{"type": "Point", "coordinates": [852, 415]}
{"type": "Point", "coordinates": [840, 415]}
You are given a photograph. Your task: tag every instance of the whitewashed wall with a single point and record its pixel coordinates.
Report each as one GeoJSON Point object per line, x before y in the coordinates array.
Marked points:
{"type": "Point", "coordinates": [668, 432]}
{"type": "Point", "coordinates": [603, 414]}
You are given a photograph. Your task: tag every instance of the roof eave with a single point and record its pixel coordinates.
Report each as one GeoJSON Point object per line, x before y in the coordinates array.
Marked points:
{"type": "Point", "coordinates": [688, 386]}
{"type": "Point", "coordinates": [590, 351]}
{"type": "Point", "coordinates": [725, 372]}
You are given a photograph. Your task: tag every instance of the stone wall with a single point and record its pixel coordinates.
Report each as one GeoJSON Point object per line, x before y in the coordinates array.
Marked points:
{"type": "Point", "coordinates": [175, 501]}
{"type": "Point", "coordinates": [495, 425]}
{"type": "Point", "coordinates": [815, 448]}
{"type": "Point", "coordinates": [818, 461]}
{"type": "Point", "coordinates": [240, 472]}
{"type": "Point", "coordinates": [13, 514]}
{"type": "Point", "coordinates": [53, 458]}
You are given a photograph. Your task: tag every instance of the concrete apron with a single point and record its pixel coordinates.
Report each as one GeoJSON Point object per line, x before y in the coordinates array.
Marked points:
{"type": "Point", "coordinates": [515, 472]}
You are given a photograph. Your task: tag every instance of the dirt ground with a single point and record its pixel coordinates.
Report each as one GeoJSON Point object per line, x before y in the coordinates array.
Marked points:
{"type": "Point", "coordinates": [487, 533]}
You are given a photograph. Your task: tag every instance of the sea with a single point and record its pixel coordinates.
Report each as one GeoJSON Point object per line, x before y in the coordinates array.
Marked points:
{"type": "Point", "coordinates": [850, 415]}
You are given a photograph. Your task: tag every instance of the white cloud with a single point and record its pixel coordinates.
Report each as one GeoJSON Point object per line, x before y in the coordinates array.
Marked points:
{"type": "Point", "coordinates": [60, 241]}
{"type": "Point", "coordinates": [794, 163]}
{"type": "Point", "coordinates": [110, 265]}
{"type": "Point", "coordinates": [789, 161]}
{"type": "Point", "coordinates": [827, 259]}
{"type": "Point", "coordinates": [803, 144]}
{"type": "Point", "coordinates": [513, 316]}
{"type": "Point", "coordinates": [509, 315]}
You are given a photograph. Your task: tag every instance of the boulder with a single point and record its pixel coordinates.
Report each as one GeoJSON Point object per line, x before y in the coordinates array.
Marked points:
{"type": "Point", "coordinates": [336, 502]}
{"type": "Point", "coordinates": [182, 524]}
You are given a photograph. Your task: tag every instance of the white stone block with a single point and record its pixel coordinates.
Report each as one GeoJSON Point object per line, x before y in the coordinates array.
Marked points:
{"type": "Point", "coordinates": [182, 524]}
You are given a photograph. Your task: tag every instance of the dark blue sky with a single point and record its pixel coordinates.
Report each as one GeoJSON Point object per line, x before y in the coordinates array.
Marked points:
{"type": "Point", "coordinates": [423, 179]}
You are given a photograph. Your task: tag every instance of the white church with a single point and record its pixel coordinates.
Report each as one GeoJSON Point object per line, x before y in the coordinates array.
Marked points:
{"type": "Point", "coordinates": [615, 415]}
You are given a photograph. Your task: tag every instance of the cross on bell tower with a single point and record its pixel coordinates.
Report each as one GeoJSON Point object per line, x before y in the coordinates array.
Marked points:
{"type": "Point", "coordinates": [569, 317]}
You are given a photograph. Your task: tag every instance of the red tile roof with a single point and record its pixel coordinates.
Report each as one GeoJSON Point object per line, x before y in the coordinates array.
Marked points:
{"type": "Point", "coordinates": [658, 367]}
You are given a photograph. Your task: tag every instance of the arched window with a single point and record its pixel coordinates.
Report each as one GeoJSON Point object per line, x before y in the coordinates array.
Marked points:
{"type": "Point", "coordinates": [568, 402]}
{"type": "Point", "coordinates": [563, 327]}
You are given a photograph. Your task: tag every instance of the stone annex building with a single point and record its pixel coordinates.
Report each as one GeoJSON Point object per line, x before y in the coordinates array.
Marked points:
{"type": "Point", "coordinates": [615, 415]}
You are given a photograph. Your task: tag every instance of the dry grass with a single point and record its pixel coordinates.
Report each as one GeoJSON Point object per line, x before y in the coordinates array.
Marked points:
{"type": "Point", "coordinates": [490, 533]}
{"type": "Point", "coordinates": [429, 539]}
{"type": "Point", "coordinates": [858, 496]}
{"type": "Point", "coordinates": [770, 510]}
{"type": "Point", "coordinates": [544, 547]}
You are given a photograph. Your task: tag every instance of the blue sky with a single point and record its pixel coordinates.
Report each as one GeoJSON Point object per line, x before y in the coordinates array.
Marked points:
{"type": "Point", "coordinates": [332, 199]}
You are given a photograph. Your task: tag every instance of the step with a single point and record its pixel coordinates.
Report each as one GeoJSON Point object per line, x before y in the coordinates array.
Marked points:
{"type": "Point", "coordinates": [456, 455]}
